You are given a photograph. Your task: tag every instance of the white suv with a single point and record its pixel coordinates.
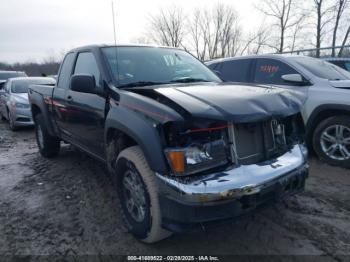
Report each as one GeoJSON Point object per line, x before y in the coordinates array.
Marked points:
{"type": "Point", "coordinates": [325, 87]}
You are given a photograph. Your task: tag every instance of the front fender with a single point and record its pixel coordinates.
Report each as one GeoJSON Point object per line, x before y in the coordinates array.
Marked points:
{"type": "Point", "coordinates": [38, 100]}
{"type": "Point", "coordinates": [142, 131]}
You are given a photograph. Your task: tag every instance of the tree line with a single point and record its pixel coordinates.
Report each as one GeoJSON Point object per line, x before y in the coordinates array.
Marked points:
{"type": "Point", "coordinates": [33, 68]}
{"type": "Point", "coordinates": [215, 32]}
{"type": "Point", "coordinates": [288, 25]}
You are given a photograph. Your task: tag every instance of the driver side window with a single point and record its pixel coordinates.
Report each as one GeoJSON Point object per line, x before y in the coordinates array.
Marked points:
{"type": "Point", "coordinates": [86, 64]}
{"type": "Point", "coordinates": [270, 71]}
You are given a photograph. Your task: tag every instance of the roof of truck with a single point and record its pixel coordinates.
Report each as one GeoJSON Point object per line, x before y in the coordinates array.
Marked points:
{"type": "Point", "coordinates": [121, 45]}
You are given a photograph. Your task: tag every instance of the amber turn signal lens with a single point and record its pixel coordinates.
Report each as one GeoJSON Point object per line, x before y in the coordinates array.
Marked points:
{"type": "Point", "coordinates": [177, 159]}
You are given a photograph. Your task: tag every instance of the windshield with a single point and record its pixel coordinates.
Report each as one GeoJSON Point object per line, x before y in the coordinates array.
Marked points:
{"type": "Point", "coordinates": [7, 75]}
{"type": "Point", "coordinates": [322, 68]}
{"type": "Point", "coordinates": [21, 86]}
{"type": "Point", "coordinates": [151, 65]}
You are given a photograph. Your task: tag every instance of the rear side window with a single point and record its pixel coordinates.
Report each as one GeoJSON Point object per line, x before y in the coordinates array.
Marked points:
{"type": "Point", "coordinates": [66, 71]}
{"type": "Point", "coordinates": [270, 71]}
{"type": "Point", "coordinates": [235, 70]}
{"type": "Point", "coordinates": [86, 64]}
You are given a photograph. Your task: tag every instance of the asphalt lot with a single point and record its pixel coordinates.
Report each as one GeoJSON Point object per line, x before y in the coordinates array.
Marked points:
{"type": "Point", "coordinates": [67, 206]}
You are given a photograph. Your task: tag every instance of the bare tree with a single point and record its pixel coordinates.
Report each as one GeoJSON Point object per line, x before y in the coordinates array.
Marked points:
{"type": "Point", "coordinates": [281, 12]}
{"type": "Point", "coordinates": [216, 32]}
{"type": "Point", "coordinates": [197, 32]}
{"type": "Point", "coordinates": [296, 31]}
{"type": "Point", "coordinates": [168, 27]}
{"type": "Point", "coordinates": [340, 6]}
{"type": "Point", "coordinates": [256, 41]}
{"type": "Point", "coordinates": [344, 42]}
{"type": "Point", "coordinates": [323, 19]}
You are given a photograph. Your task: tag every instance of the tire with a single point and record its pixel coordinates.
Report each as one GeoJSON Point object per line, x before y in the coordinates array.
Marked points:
{"type": "Point", "coordinates": [2, 117]}
{"type": "Point", "coordinates": [11, 123]}
{"type": "Point", "coordinates": [49, 146]}
{"type": "Point", "coordinates": [330, 147]}
{"type": "Point", "coordinates": [131, 163]}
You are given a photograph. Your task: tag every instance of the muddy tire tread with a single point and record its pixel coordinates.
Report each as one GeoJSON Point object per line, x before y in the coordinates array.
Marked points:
{"type": "Point", "coordinates": [136, 156]}
{"type": "Point", "coordinates": [51, 143]}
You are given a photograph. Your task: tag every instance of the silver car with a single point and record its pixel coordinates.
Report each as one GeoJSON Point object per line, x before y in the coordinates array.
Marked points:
{"type": "Point", "coordinates": [324, 86]}
{"type": "Point", "coordinates": [14, 104]}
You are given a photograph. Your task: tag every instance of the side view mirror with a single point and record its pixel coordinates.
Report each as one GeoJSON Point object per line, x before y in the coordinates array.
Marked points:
{"type": "Point", "coordinates": [83, 83]}
{"type": "Point", "coordinates": [293, 78]}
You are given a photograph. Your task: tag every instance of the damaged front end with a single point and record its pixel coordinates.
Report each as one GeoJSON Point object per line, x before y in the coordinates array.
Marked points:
{"type": "Point", "coordinates": [201, 146]}
{"type": "Point", "coordinates": [220, 170]}
{"type": "Point", "coordinates": [228, 149]}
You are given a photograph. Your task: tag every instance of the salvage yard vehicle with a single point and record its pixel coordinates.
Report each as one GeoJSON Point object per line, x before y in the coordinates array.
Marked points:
{"type": "Point", "coordinates": [339, 61]}
{"type": "Point", "coordinates": [184, 150]}
{"type": "Point", "coordinates": [326, 111]}
{"type": "Point", "coordinates": [14, 103]}
{"type": "Point", "coordinates": [4, 75]}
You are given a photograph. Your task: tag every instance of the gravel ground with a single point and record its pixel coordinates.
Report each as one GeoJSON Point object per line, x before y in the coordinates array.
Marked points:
{"type": "Point", "coordinates": [67, 206]}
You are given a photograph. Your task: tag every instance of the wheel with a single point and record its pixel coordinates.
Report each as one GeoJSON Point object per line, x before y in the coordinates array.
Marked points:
{"type": "Point", "coordinates": [138, 196]}
{"type": "Point", "coordinates": [3, 118]}
{"type": "Point", "coordinates": [11, 122]}
{"type": "Point", "coordinates": [331, 140]}
{"type": "Point", "coordinates": [49, 146]}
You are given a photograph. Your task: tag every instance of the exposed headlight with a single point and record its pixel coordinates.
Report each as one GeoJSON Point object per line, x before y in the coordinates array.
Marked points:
{"type": "Point", "coordinates": [20, 105]}
{"type": "Point", "coordinates": [197, 158]}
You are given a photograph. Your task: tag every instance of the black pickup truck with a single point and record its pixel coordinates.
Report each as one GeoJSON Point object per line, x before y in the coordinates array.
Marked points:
{"type": "Point", "coordinates": [184, 150]}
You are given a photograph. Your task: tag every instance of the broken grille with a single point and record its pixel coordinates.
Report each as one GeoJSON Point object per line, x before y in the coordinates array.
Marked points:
{"type": "Point", "coordinates": [252, 143]}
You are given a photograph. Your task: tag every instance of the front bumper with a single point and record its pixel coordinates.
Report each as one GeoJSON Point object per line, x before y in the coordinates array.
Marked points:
{"type": "Point", "coordinates": [22, 117]}
{"type": "Point", "coordinates": [191, 202]}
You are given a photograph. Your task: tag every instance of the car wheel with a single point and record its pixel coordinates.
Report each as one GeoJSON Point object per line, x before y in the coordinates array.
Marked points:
{"type": "Point", "coordinates": [11, 121]}
{"type": "Point", "coordinates": [49, 146]}
{"type": "Point", "coordinates": [3, 118]}
{"type": "Point", "coordinates": [138, 196]}
{"type": "Point", "coordinates": [331, 140]}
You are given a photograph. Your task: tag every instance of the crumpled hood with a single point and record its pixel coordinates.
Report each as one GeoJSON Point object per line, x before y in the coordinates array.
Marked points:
{"type": "Point", "coordinates": [231, 102]}
{"type": "Point", "coordinates": [340, 83]}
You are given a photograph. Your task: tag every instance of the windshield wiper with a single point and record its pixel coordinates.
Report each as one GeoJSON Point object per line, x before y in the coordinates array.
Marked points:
{"type": "Point", "coordinates": [142, 83]}
{"type": "Point", "coordinates": [189, 80]}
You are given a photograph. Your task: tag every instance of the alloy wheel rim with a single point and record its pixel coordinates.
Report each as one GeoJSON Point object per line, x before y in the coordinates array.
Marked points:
{"type": "Point", "coordinates": [134, 195]}
{"type": "Point", "coordinates": [335, 142]}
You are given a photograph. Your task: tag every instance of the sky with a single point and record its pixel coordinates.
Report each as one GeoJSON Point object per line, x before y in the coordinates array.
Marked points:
{"type": "Point", "coordinates": [33, 30]}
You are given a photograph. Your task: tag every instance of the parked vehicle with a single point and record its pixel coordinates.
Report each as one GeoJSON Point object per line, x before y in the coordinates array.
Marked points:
{"type": "Point", "coordinates": [339, 61]}
{"type": "Point", "coordinates": [326, 87]}
{"type": "Point", "coordinates": [4, 75]}
{"type": "Point", "coordinates": [14, 103]}
{"type": "Point", "coordinates": [184, 150]}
